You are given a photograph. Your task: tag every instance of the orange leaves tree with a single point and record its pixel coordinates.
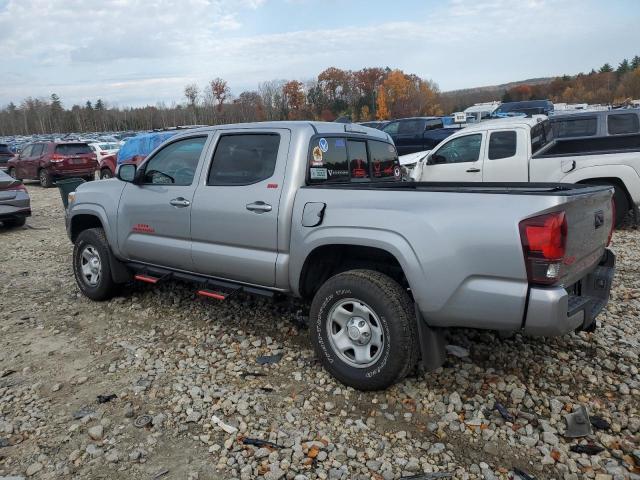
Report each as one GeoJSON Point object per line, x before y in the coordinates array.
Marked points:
{"type": "Point", "coordinates": [407, 96]}
{"type": "Point", "coordinates": [293, 99]}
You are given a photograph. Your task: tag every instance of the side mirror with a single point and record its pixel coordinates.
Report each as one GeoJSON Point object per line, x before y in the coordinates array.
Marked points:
{"type": "Point", "coordinates": [126, 172]}
{"type": "Point", "coordinates": [436, 160]}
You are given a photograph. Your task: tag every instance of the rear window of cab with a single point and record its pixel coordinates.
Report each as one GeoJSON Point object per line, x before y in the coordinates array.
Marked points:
{"type": "Point", "coordinates": [347, 159]}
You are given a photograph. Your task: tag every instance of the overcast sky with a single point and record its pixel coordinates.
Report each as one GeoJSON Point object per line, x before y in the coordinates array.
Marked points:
{"type": "Point", "coordinates": [130, 52]}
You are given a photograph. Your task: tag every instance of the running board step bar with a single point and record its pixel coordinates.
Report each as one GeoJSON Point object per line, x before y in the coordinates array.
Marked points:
{"type": "Point", "coordinates": [212, 294]}
{"type": "Point", "coordinates": [146, 278]}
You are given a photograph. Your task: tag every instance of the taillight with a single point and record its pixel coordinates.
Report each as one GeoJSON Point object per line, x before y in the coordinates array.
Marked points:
{"type": "Point", "coordinates": [544, 240]}
{"type": "Point", "coordinates": [613, 221]}
{"type": "Point", "coordinates": [57, 158]}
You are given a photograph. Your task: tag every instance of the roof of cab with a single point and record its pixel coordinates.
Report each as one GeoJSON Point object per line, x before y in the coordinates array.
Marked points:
{"type": "Point", "coordinates": [509, 122]}
{"type": "Point", "coordinates": [317, 127]}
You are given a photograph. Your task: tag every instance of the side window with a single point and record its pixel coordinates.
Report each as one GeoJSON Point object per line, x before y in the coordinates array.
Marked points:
{"type": "Point", "coordinates": [410, 127]}
{"type": "Point", "coordinates": [575, 127]}
{"type": "Point", "coordinates": [358, 161]}
{"type": "Point", "coordinates": [434, 124]}
{"type": "Point", "coordinates": [391, 128]}
{"type": "Point", "coordinates": [328, 160]}
{"type": "Point", "coordinates": [384, 161]}
{"type": "Point", "coordinates": [244, 159]}
{"type": "Point", "coordinates": [459, 150]}
{"type": "Point", "coordinates": [36, 151]}
{"type": "Point", "coordinates": [26, 151]}
{"type": "Point", "coordinates": [175, 164]}
{"type": "Point", "coordinates": [502, 145]}
{"type": "Point", "coordinates": [622, 123]}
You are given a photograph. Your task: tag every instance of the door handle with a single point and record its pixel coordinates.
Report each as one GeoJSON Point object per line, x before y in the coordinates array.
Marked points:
{"type": "Point", "coordinates": [259, 207]}
{"type": "Point", "coordinates": [180, 202]}
{"type": "Point", "coordinates": [473, 170]}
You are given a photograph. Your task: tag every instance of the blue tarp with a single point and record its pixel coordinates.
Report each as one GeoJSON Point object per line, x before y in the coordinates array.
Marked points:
{"type": "Point", "coordinates": [142, 145]}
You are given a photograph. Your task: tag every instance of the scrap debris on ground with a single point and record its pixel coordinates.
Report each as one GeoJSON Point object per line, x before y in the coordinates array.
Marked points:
{"type": "Point", "coordinates": [202, 390]}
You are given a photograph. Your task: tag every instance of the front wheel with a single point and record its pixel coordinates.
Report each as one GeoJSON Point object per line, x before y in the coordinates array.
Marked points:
{"type": "Point", "coordinates": [45, 179]}
{"type": "Point", "coordinates": [363, 329]}
{"type": "Point", "coordinates": [105, 174]}
{"type": "Point", "coordinates": [91, 266]}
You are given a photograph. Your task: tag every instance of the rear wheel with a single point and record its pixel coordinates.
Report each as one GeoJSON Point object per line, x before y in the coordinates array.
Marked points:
{"type": "Point", "coordinates": [15, 222]}
{"type": "Point", "coordinates": [91, 265]}
{"type": "Point", "coordinates": [12, 173]}
{"type": "Point", "coordinates": [45, 179]}
{"type": "Point", "coordinates": [620, 200]}
{"type": "Point", "coordinates": [363, 329]}
{"type": "Point", "coordinates": [105, 174]}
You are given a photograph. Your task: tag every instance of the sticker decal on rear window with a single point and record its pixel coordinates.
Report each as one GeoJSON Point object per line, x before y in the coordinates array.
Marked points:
{"type": "Point", "coordinates": [319, 174]}
{"type": "Point", "coordinates": [324, 145]}
{"type": "Point", "coordinates": [317, 156]}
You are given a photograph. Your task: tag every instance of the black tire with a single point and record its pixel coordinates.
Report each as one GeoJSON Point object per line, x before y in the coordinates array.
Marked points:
{"type": "Point", "coordinates": [619, 199]}
{"type": "Point", "coordinates": [45, 179]}
{"type": "Point", "coordinates": [105, 174]}
{"type": "Point", "coordinates": [394, 310]}
{"type": "Point", "coordinates": [12, 173]}
{"type": "Point", "coordinates": [15, 222]}
{"type": "Point", "coordinates": [105, 288]}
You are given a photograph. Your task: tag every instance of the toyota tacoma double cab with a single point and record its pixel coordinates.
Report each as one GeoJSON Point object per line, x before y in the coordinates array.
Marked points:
{"type": "Point", "coordinates": [318, 211]}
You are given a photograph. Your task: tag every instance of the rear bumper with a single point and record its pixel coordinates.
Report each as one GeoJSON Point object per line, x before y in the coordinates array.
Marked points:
{"type": "Point", "coordinates": [556, 311]}
{"type": "Point", "coordinates": [9, 213]}
{"type": "Point", "coordinates": [84, 172]}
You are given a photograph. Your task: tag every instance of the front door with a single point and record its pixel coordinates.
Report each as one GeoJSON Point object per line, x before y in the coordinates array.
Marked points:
{"type": "Point", "coordinates": [234, 221]}
{"type": "Point", "coordinates": [154, 216]}
{"type": "Point", "coordinates": [457, 160]}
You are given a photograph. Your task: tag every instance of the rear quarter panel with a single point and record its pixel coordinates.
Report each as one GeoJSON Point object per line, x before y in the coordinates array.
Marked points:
{"type": "Point", "coordinates": [461, 252]}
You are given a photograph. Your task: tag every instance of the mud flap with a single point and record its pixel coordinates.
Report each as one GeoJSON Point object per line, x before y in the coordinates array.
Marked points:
{"type": "Point", "coordinates": [432, 344]}
{"type": "Point", "coordinates": [119, 271]}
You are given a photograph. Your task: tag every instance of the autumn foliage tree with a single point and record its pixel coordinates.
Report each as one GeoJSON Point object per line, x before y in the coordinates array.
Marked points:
{"type": "Point", "coordinates": [293, 99]}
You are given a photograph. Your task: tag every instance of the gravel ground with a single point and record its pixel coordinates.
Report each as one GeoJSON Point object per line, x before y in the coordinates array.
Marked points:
{"type": "Point", "coordinates": [190, 366]}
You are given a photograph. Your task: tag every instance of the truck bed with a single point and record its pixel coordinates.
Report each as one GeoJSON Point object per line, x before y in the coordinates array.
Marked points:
{"type": "Point", "coordinates": [591, 146]}
{"type": "Point", "coordinates": [510, 188]}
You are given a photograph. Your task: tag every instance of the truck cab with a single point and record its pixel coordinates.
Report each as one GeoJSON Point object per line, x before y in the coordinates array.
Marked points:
{"type": "Point", "coordinates": [416, 134]}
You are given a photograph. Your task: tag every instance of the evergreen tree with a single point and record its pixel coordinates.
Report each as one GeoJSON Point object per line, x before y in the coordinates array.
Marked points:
{"type": "Point", "coordinates": [606, 68]}
{"type": "Point", "coordinates": [623, 67]}
{"type": "Point", "coordinates": [635, 62]}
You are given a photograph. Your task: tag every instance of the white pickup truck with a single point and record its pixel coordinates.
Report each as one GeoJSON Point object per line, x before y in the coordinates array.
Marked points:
{"type": "Point", "coordinates": [524, 150]}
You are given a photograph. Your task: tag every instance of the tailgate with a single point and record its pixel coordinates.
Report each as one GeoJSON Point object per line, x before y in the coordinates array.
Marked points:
{"type": "Point", "coordinates": [589, 214]}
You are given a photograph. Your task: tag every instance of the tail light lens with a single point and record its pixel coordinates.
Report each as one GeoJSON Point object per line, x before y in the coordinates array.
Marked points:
{"type": "Point", "coordinates": [613, 221]}
{"type": "Point", "coordinates": [544, 240]}
{"type": "Point", "coordinates": [15, 187]}
{"type": "Point", "coordinates": [57, 158]}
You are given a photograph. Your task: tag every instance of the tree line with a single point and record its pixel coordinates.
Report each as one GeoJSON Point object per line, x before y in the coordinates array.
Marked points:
{"type": "Point", "coordinates": [367, 94]}
{"type": "Point", "coordinates": [606, 85]}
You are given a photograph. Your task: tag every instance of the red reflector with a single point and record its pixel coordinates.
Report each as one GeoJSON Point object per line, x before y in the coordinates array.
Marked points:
{"type": "Point", "coordinates": [546, 234]}
{"type": "Point", "coordinates": [145, 278]}
{"type": "Point", "coordinates": [272, 185]}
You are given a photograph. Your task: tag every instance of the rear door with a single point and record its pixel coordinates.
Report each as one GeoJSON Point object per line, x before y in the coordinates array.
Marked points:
{"type": "Point", "coordinates": [506, 156]}
{"type": "Point", "coordinates": [456, 160]}
{"type": "Point", "coordinates": [154, 215]}
{"type": "Point", "coordinates": [22, 163]}
{"type": "Point", "coordinates": [235, 208]}
{"type": "Point", "coordinates": [33, 162]}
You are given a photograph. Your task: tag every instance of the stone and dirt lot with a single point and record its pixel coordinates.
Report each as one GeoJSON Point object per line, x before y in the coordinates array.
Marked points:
{"type": "Point", "coordinates": [181, 361]}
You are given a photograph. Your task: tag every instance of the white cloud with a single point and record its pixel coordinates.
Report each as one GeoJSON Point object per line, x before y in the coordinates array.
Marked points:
{"type": "Point", "coordinates": [137, 52]}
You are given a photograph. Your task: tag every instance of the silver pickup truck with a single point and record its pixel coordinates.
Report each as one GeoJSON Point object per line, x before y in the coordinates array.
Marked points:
{"type": "Point", "coordinates": [318, 211]}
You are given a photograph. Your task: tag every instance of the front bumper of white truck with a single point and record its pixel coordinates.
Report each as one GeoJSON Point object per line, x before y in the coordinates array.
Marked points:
{"type": "Point", "coordinates": [555, 311]}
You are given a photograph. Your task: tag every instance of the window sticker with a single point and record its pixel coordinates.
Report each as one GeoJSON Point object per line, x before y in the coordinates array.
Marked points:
{"type": "Point", "coordinates": [397, 173]}
{"type": "Point", "coordinates": [323, 144]}
{"type": "Point", "coordinates": [317, 156]}
{"type": "Point", "coordinates": [319, 174]}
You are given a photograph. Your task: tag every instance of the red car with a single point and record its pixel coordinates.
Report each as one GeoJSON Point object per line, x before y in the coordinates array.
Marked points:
{"type": "Point", "coordinates": [49, 161]}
